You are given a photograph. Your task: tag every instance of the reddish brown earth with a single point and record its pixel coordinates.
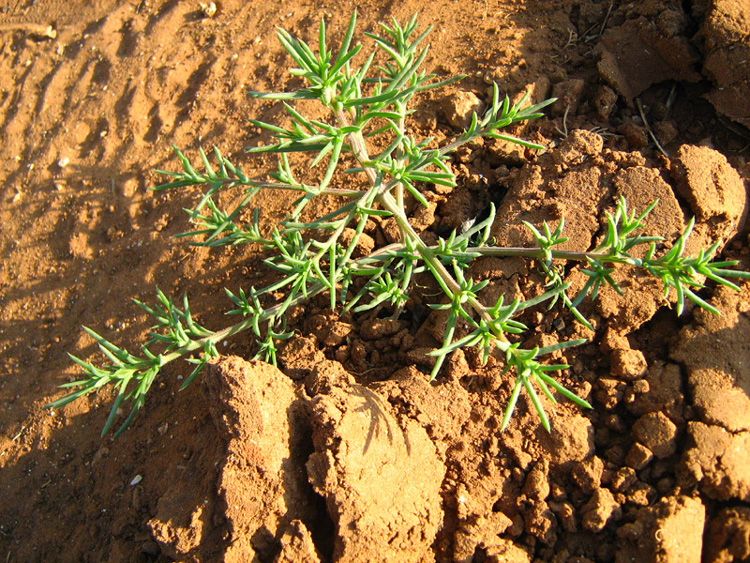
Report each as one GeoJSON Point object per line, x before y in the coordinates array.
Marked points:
{"type": "Point", "coordinates": [347, 452]}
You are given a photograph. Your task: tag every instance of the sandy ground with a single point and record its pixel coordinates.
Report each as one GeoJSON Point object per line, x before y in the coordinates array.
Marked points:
{"type": "Point", "coordinates": [347, 453]}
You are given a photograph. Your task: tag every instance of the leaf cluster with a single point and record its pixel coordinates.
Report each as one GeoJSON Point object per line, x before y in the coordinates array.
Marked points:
{"type": "Point", "coordinates": [318, 255]}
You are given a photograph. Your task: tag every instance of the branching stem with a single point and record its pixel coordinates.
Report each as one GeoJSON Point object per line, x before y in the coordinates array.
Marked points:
{"type": "Point", "coordinates": [314, 257]}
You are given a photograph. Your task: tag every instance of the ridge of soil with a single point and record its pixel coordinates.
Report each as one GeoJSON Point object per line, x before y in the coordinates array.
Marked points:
{"type": "Point", "coordinates": [346, 452]}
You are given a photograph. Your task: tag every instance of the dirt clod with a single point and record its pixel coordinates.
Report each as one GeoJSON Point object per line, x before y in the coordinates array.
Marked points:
{"type": "Point", "coordinates": [714, 189]}
{"type": "Point", "coordinates": [604, 101]}
{"type": "Point", "coordinates": [716, 356]}
{"type": "Point", "coordinates": [572, 440]}
{"type": "Point", "coordinates": [537, 482]}
{"type": "Point", "coordinates": [262, 482]}
{"type": "Point", "coordinates": [600, 510]}
{"type": "Point", "coordinates": [657, 433]}
{"type": "Point", "coordinates": [716, 460]}
{"type": "Point", "coordinates": [297, 545]}
{"type": "Point", "coordinates": [638, 456]}
{"type": "Point", "coordinates": [588, 474]}
{"type": "Point", "coordinates": [728, 536]}
{"type": "Point", "coordinates": [671, 531]}
{"type": "Point", "coordinates": [726, 29]}
{"type": "Point", "coordinates": [637, 54]}
{"type": "Point", "coordinates": [628, 364]}
{"type": "Point", "coordinates": [381, 480]}
{"type": "Point", "coordinates": [569, 94]}
{"type": "Point", "coordinates": [459, 107]}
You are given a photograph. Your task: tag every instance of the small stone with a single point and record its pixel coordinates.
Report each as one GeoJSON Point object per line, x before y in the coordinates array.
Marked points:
{"type": "Point", "coordinates": [614, 340]}
{"type": "Point", "coordinates": [604, 101]}
{"type": "Point", "coordinates": [390, 230]}
{"type": "Point", "coordinates": [588, 474]}
{"type": "Point", "coordinates": [600, 510]}
{"type": "Point", "coordinates": [459, 107]}
{"type": "Point", "coordinates": [63, 162]}
{"type": "Point", "coordinates": [137, 501]}
{"type": "Point", "coordinates": [537, 482]}
{"type": "Point", "coordinates": [628, 364]}
{"type": "Point", "coordinates": [567, 517]}
{"type": "Point", "coordinates": [569, 94]}
{"type": "Point", "coordinates": [540, 522]}
{"type": "Point", "coordinates": [665, 131]}
{"type": "Point", "coordinates": [336, 334]}
{"type": "Point", "coordinates": [616, 423]}
{"type": "Point", "coordinates": [638, 456]}
{"type": "Point", "coordinates": [208, 10]}
{"type": "Point", "coordinates": [657, 433]}
{"type": "Point", "coordinates": [609, 392]}
{"type": "Point", "coordinates": [365, 243]}
{"type": "Point", "coordinates": [640, 494]}
{"type": "Point", "coordinates": [342, 354]}
{"type": "Point", "coordinates": [635, 135]}
{"type": "Point", "coordinates": [623, 479]}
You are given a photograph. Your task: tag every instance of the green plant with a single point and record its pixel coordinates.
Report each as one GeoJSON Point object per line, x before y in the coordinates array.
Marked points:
{"type": "Point", "coordinates": [313, 257]}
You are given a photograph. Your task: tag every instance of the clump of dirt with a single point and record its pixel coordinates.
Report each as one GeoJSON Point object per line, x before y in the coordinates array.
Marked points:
{"type": "Point", "coordinates": [381, 477]}
{"type": "Point", "coordinates": [726, 29]}
{"type": "Point", "coordinates": [670, 530]}
{"type": "Point", "coordinates": [249, 497]}
{"type": "Point", "coordinates": [262, 483]}
{"type": "Point", "coordinates": [549, 190]}
{"type": "Point", "coordinates": [715, 191]}
{"type": "Point", "coordinates": [648, 49]}
{"type": "Point", "coordinates": [729, 535]}
{"type": "Point", "coordinates": [716, 357]}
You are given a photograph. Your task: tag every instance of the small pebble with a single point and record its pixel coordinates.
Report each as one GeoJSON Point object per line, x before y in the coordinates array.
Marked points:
{"type": "Point", "coordinates": [209, 10]}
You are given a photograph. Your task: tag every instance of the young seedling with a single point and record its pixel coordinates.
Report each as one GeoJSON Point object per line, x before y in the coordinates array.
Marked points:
{"type": "Point", "coordinates": [314, 257]}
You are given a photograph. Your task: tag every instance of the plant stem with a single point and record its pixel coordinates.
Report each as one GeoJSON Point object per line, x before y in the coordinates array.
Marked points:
{"type": "Point", "coordinates": [242, 326]}
{"type": "Point", "coordinates": [516, 251]}
{"type": "Point", "coordinates": [390, 204]}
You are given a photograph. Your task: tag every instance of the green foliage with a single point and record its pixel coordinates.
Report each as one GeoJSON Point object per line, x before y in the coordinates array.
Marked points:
{"type": "Point", "coordinates": [311, 256]}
